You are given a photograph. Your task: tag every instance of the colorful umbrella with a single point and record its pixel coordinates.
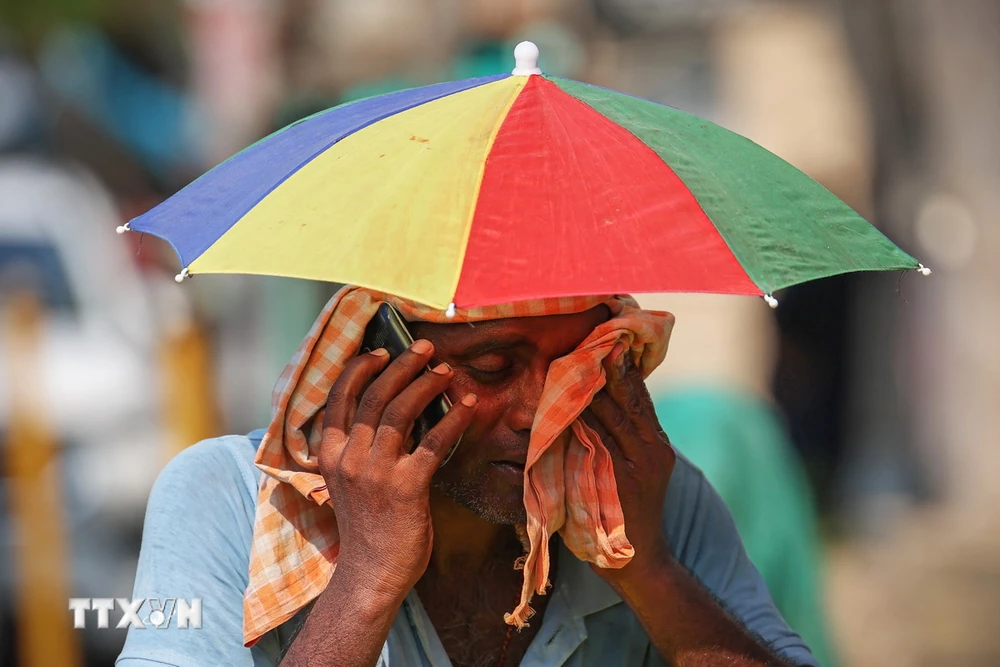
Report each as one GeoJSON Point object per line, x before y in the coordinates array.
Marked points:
{"type": "Point", "coordinates": [512, 187]}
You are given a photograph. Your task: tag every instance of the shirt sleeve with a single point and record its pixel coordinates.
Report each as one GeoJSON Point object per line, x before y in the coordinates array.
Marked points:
{"type": "Point", "coordinates": [196, 544]}
{"type": "Point", "coordinates": [704, 539]}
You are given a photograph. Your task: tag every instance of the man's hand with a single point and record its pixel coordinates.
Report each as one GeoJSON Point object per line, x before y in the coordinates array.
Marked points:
{"type": "Point", "coordinates": [622, 414]}
{"type": "Point", "coordinates": [381, 497]}
{"type": "Point", "coordinates": [380, 494]}
{"type": "Point", "coordinates": [687, 626]}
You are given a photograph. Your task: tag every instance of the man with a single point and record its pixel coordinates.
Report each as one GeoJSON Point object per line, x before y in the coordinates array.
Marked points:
{"type": "Point", "coordinates": [424, 554]}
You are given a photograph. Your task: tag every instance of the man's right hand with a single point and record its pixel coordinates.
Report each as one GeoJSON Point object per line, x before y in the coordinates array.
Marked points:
{"type": "Point", "coordinates": [380, 493]}
{"type": "Point", "coordinates": [381, 497]}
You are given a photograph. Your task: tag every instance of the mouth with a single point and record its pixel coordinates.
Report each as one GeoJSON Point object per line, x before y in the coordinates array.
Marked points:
{"type": "Point", "coordinates": [508, 460]}
{"type": "Point", "coordinates": [509, 469]}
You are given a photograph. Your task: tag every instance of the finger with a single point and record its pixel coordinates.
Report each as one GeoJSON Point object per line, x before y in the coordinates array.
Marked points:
{"type": "Point", "coordinates": [617, 423]}
{"type": "Point", "coordinates": [342, 401]}
{"type": "Point", "coordinates": [648, 423]}
{"type": "Point", "coordinates": [618, 384]}
{"type": "Point", "coordinates": [434, 446]}
{"type": "Point", "coordinates": [628, 389]}
{"type": "Point", "coordinates": [402, 411]}
{"type": "Point", "coordinates": [387, 386]}
{"type": "Point", "coordinates": [591, 420]}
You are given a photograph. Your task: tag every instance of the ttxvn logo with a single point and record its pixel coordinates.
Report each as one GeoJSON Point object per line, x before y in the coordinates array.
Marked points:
{"type": "Point", "coordinates": [140, 614]}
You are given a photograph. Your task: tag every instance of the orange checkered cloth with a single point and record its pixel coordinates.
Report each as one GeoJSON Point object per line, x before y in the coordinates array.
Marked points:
{"type": "Point", "coordinates": [569, 478]}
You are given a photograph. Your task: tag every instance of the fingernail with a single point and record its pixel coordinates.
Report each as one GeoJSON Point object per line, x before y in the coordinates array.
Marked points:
{"type": "Point", "coordinates": [422, 346]}
{"type": "Point", "coordinates": [381, 352]}
{"type": "Point", "coordinates": [441, 369]}
{"type": "Point", "coordinates": [469, 400]}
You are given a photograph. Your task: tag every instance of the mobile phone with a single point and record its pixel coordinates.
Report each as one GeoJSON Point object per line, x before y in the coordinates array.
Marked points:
{"type": "Point", "coordinates": [388, 330]}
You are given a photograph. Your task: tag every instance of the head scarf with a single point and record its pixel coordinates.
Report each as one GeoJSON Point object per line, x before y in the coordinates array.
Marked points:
{"type": "Point", "coordinates": [569, 479]}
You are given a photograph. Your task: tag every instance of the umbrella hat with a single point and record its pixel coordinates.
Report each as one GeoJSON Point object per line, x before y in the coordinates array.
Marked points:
{"type": "Point", "coordinates": [514, 187]}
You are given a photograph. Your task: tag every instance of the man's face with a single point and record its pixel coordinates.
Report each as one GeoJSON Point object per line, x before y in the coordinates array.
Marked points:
{"type": "Point", "coordinates": [504, 363]}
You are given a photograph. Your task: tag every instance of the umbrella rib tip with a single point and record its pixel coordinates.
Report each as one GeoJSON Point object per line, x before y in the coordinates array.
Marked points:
{"type": "Point", "coordinates": [770, 300]}
{"type": "Point", "coordinates": [182, 276]}
{"type": "Point", "coordinates": [450, 312]}
{"type": "Point", "coordinates": [121, 229]}
{"type": "Point", "coordinates": [923, 270]}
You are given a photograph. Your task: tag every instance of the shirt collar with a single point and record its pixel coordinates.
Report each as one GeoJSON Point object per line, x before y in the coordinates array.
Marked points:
{"type": "Point", "coordinates": [256, 436]}
{"type": "Point", "coordinates": [585, 592]}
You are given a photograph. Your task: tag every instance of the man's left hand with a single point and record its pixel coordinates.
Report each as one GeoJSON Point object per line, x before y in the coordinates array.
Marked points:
{"type": "Point", "coordinates": [693, 629]}
{"type": "Point", "coordinates": [622, 414]}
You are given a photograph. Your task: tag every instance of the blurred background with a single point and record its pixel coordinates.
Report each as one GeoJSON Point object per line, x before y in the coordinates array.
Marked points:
{"type": "Point", "coordinates": [853, 431]}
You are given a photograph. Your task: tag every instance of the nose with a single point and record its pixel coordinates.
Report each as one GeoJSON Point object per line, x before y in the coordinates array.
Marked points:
{"type": "Point", "coordinates": [525, 404]}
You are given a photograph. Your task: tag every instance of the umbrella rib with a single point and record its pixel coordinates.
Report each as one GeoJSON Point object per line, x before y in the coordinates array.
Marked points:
{"type": "Point", "coordinates": [501, 118]}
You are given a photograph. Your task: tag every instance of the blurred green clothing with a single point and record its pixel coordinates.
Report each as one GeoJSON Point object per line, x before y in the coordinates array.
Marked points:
{"type": "Point", "coordinates": [740, 444]}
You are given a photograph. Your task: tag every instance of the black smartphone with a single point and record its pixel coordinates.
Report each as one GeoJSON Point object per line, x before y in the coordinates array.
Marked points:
{"type": "Point", "coordinates": [388, 329]}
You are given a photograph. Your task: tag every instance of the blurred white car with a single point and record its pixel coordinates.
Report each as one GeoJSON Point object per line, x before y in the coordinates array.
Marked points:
{"type": "Point", "coordinates": [97, 364]}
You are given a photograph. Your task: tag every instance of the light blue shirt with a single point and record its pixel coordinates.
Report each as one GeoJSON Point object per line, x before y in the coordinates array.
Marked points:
{"type": "Point", "coordinates": [196, 544]}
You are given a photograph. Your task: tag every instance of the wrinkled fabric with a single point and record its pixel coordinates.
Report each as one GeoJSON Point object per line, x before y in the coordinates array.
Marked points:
{"type": "Point", "coordinates": [569, 478]}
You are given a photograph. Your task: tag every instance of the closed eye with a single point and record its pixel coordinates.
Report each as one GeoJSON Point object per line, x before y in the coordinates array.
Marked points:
{"type": "Point", "coordinates": [488, 375]}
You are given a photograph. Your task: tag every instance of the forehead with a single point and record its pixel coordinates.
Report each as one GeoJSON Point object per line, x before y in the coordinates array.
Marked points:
{"type": "Point", "coordinates": [543, 331]}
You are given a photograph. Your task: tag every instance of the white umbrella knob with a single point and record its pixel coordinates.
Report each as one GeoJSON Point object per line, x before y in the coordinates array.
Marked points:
{"type": "Point", "coordinates": [526, 59]}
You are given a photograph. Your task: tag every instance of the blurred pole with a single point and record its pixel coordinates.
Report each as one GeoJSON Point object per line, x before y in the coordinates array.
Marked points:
{"type": "Point", "coordinates": [931, 71]}
{"type": "Point", "coordinates": [957, 228]}
{"type": "Point", "coordinates": [190, 410]}
{"type": "Point", "coordinates": [888, 458]}
{"type": "Point", "coordinates": [45, 633]}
